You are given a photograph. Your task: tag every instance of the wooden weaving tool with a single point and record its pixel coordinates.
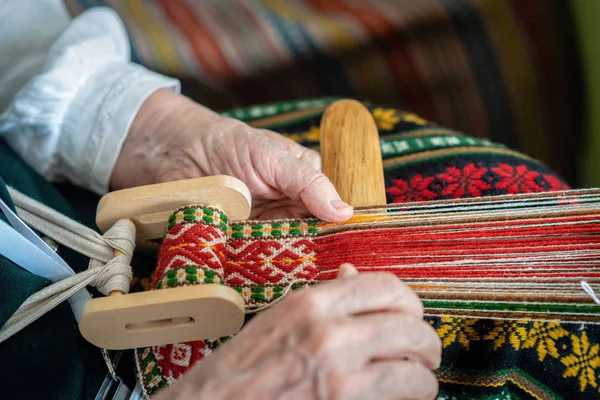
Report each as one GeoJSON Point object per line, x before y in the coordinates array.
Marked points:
{"type": "Point", "coordinates": [351, 154]}
{"type": "Point", "coordinates": [180, 314]}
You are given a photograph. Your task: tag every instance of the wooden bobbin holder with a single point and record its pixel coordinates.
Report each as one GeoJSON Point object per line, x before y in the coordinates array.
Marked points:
{"type": "Point", "coordinates": [351, 158]}
{"type": "Point", "coordinates": [181, 314]}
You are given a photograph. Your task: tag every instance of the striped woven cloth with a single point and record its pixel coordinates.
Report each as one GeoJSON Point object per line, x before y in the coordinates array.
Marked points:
{"type": "Point", "coordinates": [506, 70]}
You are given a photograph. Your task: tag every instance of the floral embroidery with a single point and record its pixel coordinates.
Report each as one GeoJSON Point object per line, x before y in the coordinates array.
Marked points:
{"type": "Point", "coordinates": [583, 362]}
{"type": "Point", "coordinates": [472, 181]}
{"type": "Point", "coordinates": [516, 332]}
{"type": "Point", "coordinates": [516, 179]}
{"type": "Point", "coordinates": [181, 354]}
{"type": "Point", "coordinates": [464, 181]}
{"type": "Point", "coordinates": [554, 184]}
{"type": "Point", "coordinates": [415, 119]}
{"type": "Point", "coordinates": [457, 329]}
{"type": "Point", "coordinates": [543, 337]}
{"type": "Point", "coordinates": [385, 118]}
{"type": "Point", "coordinates": [313, 135]}
{"type": "Point", "coordinates": [415, 190]}
{"type": "Point", "coordinates": [173, 360]}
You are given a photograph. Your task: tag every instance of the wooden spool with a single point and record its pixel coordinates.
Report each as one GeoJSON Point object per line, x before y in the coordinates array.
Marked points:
{"type": "Point", "coordinates": [351, 159]}
{"type": "Point", "coordinates": [157, 317]}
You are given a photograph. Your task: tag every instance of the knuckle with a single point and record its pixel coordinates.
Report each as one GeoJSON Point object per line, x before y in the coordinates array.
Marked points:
{"type": "Point", "coordinates": [235, 124]}
{"type": "Point", "coordinates": [411, 300]}
{"type": "Point", "coordinates": [336, 389]}
{"type": "Point", "coordinates": [318, 178]}
{"type": "Point", "coordinates": [388, 282]}
{"type": "Point", "coordinates": [311, 156]}
{"type": "Point", "coordinates": [180, 166]}
{"type": "Point", "coordinates": [310, 180]}
{"type": "Point", "coordinates": [436, 343]}
{"type": "Point", "coordinates": [385, 280]}
{"type": "Point", "coordinates": [389, 286]}
{"type": "Point", "coordinates": [422, 339]}
{"type": "Point", "coordinates": [305, 303]}
{"type": "Point", "coordinates": [424, 384]}
{"type": "Point", "coordinates": [431, 386]}
{"type": "Point", "coordinates": [321, 341]}
{"type": "Point", "coordinates": [428, 331]}
{"type": "Point", "coordinates": [417, 331]}
{"type": "Point", "coordinates": [240, 131]}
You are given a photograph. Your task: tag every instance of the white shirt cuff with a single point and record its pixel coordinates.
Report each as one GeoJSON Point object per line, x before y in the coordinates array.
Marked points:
{"type": "Point", "coordinates": [69, 122]}
{"type": "Point", "coordinates": [99, 119]}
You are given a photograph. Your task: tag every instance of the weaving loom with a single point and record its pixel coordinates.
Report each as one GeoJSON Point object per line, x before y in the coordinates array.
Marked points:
{"type": "Point", "coordinates": [504, 273]}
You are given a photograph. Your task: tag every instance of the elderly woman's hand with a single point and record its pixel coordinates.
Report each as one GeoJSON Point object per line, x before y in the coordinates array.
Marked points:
{"type": "Point", "coordinates": [359, 337]}
{"type": "Point", "coordinates": [174, 138]}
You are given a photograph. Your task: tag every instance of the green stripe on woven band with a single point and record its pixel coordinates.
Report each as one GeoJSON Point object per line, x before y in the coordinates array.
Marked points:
{"type": "Point", "coordinates": [273, 230]}
{"type": "Point", "coordinates": [489, 306]}
{"type": "Point", "coordinates": [269, 110]}
{"type": "Point", "coordinates": [265, 294]}
{"type": "Point", "coordinates": [188, 275]}
{"type": "Point", "coordinates": [403, 146]}
{"type": "Point", "coordinates": [403, 161]}
{"type": "Point", "coordinates": [199, 214]}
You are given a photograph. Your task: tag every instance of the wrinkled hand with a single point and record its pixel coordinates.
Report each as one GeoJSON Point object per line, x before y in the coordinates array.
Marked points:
{"type": "Point", "coordinates": [174, 138]}
{"type": "Point", "coordinates": [358, 337]}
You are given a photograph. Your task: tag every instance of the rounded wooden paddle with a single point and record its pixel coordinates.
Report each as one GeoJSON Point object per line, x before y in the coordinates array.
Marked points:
{"type": "Point", "coordinates": [351, 153]}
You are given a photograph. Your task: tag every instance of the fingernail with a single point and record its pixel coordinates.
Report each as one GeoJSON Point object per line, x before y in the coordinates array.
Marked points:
{"type": "Point", "coordinates": [340, 205]}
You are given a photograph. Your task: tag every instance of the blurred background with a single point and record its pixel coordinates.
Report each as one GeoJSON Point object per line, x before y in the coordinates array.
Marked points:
{"type": "Point", "coordinates": [525, 73]}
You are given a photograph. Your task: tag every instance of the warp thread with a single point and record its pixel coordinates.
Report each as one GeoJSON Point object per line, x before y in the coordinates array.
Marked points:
{"type": "Point", "coordinates": [485, 256]}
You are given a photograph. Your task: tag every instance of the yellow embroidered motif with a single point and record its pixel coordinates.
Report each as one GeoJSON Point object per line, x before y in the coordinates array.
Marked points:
{"type": "Point", "coordinates": [150, 367]}
{"type": "Point", "coordinates": [457, 329]}
{"type": "Point", "coordinates": [516, 332]}
{"type": "Point", "coordinates": [543, 336]}
{"type": "Point", "coordinates": [155, 381]}
{"type": "Point", "coordinates": [312, 135]}
{"type": "Point", "coordinates": [385, 119]}
{"type": "Point", "coordinates": [415, 119]}
{"type": "Point", "coordinates": [583, 362]}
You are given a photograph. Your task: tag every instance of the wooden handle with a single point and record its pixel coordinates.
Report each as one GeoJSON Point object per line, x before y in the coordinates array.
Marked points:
{"type": "Point", "coordinates": [159, 317]}
{"type": "Point", "coordinates": [351, 153]}
{"type": "Point", "coordinates": [149, 207]}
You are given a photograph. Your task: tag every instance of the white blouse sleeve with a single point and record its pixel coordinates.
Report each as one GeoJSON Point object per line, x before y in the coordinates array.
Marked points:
{"type": "Point", "coordinates": [71, 117]}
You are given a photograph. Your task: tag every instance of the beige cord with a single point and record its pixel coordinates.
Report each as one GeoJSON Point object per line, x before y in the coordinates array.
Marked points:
{"type": "Point", "coordinates": [105, 272]}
